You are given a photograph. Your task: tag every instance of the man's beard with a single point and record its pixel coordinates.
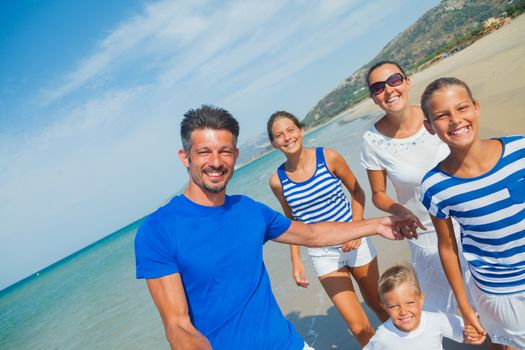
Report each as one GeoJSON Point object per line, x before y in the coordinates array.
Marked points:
{"type": "Point", "coordinates": [214, 188]}
{"type": "Point", "coordinates": [217, 188]}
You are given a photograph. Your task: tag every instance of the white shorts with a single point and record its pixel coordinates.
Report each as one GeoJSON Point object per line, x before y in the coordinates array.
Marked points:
{"type": "Point", "coordinates": [502, 316]}
{"type": "Point", "coordinates": [330, 259]}
{"type": "Point", "coordinates": [432, 279]}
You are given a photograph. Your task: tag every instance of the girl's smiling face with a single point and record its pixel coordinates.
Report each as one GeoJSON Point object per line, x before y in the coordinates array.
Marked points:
{"type": "Point", "coordinates": [453, 116]}
{"type": "Point", "coordinates": [393, 98]}
{"type": "Point", "coordinates": [403, 305]}
{"type": "Point", "coordinates": [287, 137]}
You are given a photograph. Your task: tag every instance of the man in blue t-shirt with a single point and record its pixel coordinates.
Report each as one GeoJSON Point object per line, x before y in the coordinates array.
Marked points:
{"type": "Point", "coordinates": [202, 253]}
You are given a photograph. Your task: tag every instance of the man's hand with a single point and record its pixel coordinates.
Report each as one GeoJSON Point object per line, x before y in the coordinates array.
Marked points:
{"type": "Point", "coordinates": [390, 227]}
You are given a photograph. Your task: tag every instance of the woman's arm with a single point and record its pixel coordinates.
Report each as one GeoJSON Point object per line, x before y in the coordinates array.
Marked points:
{"type": "Point", "coordinates": [448, 253]}
{"type": "Point", "coordinates": [383, 201]}
{"type": "Point", "coordinates": [380, 198]}
{"type": "Point", "coordinates": [295, 253]}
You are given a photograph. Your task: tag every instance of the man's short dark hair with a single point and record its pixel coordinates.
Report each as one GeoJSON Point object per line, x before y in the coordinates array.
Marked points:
{"type": "Point", "coordinates": [207, 117]}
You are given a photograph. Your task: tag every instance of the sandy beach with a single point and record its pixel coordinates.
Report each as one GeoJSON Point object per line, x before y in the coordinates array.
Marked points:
{"type": "Point", "coordinates": [494, 68]}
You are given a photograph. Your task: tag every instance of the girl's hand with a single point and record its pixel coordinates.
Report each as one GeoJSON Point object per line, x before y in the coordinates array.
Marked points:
{"type": "Point", "coordinates": [298, 274]}
{"type": "Point", "coordinates": [474, 332]}
{"type": "Point", "coordinates": [472, 336]}
{"type": "Point", "coordinates": [351, 245]}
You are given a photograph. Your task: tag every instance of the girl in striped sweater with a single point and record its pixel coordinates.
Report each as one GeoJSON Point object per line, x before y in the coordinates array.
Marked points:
{"type": "Point", "coordinates": [481, 184]}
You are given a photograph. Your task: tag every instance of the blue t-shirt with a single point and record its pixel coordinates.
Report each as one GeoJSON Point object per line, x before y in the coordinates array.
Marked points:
{"type": "Point", "coordinates": [218, 252]}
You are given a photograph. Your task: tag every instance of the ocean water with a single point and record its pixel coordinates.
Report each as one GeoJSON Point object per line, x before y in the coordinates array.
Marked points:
{"type": "Point", "coordinates": [92, 300]}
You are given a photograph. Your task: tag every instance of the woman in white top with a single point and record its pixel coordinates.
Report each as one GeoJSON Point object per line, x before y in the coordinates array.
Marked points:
{"type": "Point", "coordinates": [399, 147]}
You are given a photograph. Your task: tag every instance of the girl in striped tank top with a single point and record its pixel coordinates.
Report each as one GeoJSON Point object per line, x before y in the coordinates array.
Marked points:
{"type": "Point", "coordinates": [481, 184]}
{"type": "Point", "coordinates": [309, 187]}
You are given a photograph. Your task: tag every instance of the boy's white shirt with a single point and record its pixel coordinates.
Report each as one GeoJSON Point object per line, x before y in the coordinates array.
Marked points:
{"type": "Point", "coordinates": [433, 326]}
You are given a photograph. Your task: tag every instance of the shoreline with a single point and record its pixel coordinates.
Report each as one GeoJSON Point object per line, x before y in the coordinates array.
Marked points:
{"type": "Point", "coordinates": [494, 68]}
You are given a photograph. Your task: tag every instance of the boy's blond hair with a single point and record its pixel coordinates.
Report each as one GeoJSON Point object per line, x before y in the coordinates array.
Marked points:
{"type": "Point", "coordinates": [397, 275]}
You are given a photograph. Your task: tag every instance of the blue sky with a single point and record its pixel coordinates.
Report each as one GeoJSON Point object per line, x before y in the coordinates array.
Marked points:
{"type": "Point", "coordinates": [93, 92]}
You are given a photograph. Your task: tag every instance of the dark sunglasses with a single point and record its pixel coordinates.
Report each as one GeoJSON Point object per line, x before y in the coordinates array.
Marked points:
{"type": "Point", "coordinates": [378, 87]}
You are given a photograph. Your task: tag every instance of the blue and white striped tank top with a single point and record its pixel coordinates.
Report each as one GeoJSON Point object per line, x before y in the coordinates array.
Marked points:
{"type": "Point", "coordinates": [320, 198]}
{"type": "Point", "coordinates": [491, 212]}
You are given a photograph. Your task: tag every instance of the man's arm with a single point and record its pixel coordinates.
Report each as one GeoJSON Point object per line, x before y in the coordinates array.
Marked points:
{"type": "Point", "coordinates": [333, 233]}
{"type": "Point", "coordinates": [169, 297]}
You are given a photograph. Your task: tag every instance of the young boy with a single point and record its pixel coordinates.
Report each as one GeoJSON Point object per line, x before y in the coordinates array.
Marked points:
{"type": "Point", "coordinates": [409, 327]}
{"type": "Point", "coordinates": [481, 184]}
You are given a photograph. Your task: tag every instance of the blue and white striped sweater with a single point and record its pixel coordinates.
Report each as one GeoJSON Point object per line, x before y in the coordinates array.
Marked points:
{"type": "Point", "coordinates": [491, 212]}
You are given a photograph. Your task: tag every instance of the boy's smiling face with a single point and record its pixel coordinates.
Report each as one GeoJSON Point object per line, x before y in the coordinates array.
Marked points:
{"type": "Point", "coordinates": [454, 117]}
{"type": "Point", "coordinates": [403, 305]}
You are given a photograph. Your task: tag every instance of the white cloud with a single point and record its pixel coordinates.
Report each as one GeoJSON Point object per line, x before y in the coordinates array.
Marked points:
{"type": "Point", "coordinates": [292, 56]}
{"type": "Point", "coordinates": [238, 50]}
{"type": "Point", "coordinates": [110, 152]}
{"type": "Point", "coordinates": [130, 39]}
{"type": "Point", "coordinates": [188, 40]}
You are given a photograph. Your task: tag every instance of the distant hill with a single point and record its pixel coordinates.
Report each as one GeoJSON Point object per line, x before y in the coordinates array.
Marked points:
{"type": "Point", "coordinates": [449, 25]}
{"type": "Point", "coordinates": [254, 148]}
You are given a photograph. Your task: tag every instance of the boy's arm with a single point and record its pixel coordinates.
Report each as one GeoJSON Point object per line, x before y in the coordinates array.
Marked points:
{"type": "Point", "coordinates": [169, 297]}
{"type": "Point", "coordinates": [448, 253]}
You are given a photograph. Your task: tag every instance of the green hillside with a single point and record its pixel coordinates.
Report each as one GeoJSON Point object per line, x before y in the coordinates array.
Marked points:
{"type": "Point", "coordinates": [448, 27]}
